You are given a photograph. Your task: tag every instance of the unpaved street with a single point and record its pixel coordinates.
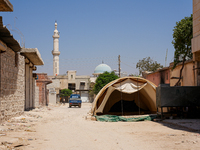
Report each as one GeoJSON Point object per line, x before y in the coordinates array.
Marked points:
{"type": "Point", "coordinates": [63, 128]}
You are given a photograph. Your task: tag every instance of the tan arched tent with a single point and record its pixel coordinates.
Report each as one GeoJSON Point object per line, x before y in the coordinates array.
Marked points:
{"type": "Point", "coordinates": [138, 93]}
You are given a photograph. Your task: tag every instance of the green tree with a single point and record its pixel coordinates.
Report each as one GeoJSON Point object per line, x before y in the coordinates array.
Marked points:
{"type": "Point", "coordinates": [182, 36]}
{"type": "Point", "coordinates": [147, 64]}
{"type": "Point", "coordinates": [65, 93]}
{"type": "Point", "coordinates": [104, 79]}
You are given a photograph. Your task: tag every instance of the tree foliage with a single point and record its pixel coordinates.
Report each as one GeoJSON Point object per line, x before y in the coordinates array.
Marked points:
{"type": "Point", "coordinates": [65, 93]}
{"type": "Point", "coordinates": [147, 64]}
{"type": "Point", "coordinates": [182, 35]}
{"type": "Point", "coordinates": [102, 80]}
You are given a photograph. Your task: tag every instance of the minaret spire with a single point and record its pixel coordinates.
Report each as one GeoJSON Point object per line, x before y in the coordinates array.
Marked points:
{"type": "Point", "coordinates": [55, 51]}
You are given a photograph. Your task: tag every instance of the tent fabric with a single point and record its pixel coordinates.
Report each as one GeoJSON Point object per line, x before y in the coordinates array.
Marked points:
{"type": "Point", "coordinates": [139, 90]}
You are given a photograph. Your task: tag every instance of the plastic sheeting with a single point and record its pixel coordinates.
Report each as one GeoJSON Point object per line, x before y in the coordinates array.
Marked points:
{"type": "Point", "coordinates": [114, 118]}
{"type": "Point", "coordinates": [140, 90]}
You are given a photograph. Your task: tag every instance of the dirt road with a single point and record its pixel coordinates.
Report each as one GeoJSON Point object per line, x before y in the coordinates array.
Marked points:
{"type": "Point", "coordinates": [63, 128]}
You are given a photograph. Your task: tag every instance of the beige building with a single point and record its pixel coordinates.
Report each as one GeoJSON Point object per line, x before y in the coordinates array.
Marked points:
{"type": "Point", "coordinates": [78, 84]}
{"type": "Point", "coordinates": [188, 74]}
{"type": "Point", "coordinates": [196, 40]}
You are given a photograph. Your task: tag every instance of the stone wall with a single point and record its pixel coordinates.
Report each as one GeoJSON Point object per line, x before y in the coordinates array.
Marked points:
{"type": "Point", "coordinates": [12, 84]}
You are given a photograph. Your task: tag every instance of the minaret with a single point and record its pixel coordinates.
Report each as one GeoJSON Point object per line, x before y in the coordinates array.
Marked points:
{"type": "Point", "coordinates": [55, 51]}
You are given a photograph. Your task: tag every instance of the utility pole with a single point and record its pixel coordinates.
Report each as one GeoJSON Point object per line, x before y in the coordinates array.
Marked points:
{"type": "Point", "coordinates": [119, 66]}
{"type": "Point", "coordinates": [166, 58]}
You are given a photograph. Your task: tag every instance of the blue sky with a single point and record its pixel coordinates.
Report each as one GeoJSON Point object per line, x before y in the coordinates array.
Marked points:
{"type": "Point", "coordinates": [92, 31]}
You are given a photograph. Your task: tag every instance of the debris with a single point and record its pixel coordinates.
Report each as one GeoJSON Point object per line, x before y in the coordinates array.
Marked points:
{"type": "Point", "coordinates": [177, 143]}
{"type": "Point", "coordinates": [2, 134]}
{"type": "Point", "coordinates": [20, 142]}
{"type": "Point", "coordinates": [194, 142]}
{"type": "Point", "coordinates": [171, 135]}
{"type": "Point", "coordinates": [30, 139]}
{"type": "Point", "coordinates": [5, 143]}
{"type": "Point", "coordinates": [29, 130]}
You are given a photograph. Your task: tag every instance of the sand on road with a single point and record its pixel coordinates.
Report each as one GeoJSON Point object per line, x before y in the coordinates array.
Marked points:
{"type": "Point", "coordinates": [59, 127]}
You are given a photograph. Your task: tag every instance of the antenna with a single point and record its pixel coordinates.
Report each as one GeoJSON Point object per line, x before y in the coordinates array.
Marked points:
{"type": "Point", "coordinates": [166, 57]}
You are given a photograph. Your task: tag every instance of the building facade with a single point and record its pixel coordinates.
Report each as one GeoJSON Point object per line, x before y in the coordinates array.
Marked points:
{"type": "Point", "coordinates": [196, 40]}
{"type": "Point", "coordinates": [169, 76]}
{"type": "Point", "coordinates": [17, 83]}
{"type": "Point", "coordinates": [41, 82]}
{"type": "Point", "coordinates": [78, 84]}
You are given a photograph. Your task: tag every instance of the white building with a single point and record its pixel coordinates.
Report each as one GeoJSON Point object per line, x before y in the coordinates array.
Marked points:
{"type": "Point", "coordinates": [55, 51]}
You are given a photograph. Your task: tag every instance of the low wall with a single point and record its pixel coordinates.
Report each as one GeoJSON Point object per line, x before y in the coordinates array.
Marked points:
{"type": "Point", "coordinates": [177, 96]}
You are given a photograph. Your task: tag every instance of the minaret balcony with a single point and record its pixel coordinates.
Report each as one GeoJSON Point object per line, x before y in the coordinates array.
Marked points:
{"type": "Point", "coordinates": [55, 52]}
{"type": "Point", "coordinates": [56, 36]}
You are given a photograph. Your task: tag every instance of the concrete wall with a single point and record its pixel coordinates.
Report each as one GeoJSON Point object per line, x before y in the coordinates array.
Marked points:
{"type": "Point", "coordinates": [52, 96]}
{"type": "Point", "coordinates": [196, 26]}
{"type": "Point", "coordinates": [169, 76]}
{"type": "Point", "coordinates": [196, 40]}
{"type": "Point", "coordinates": [63, 83]}
{"type": "Point", "coordinates": [30, 87]}
{"type": "Point", "coordinates": [159, 77]}
{"type": "Point", "coordinates": [154, 77]}
{"type": "Point", "coordinates": [187, 73]}
{"type": "Point", "coordinates": [27, 82]}
{"type": "Point", "coordinates": [36, 96]}
{"type": "Point", "coordinates": [12, 84]}
{"type": "Point", "coordinates": [86, 81]}
{"type": "Point", "coordinates": [71, 76]}
{"type": "Point", "coordinates": [55, 84]}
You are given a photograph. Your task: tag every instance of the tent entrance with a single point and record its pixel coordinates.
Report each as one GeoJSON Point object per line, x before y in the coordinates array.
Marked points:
{"type": "Point", "coordinates": [128, 105]}
{"type": "Point", "coordinates": [129, 108]}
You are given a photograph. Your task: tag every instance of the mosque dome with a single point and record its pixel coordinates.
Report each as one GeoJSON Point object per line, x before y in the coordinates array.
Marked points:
{"type": "Point", "coordinates": [102, 68]}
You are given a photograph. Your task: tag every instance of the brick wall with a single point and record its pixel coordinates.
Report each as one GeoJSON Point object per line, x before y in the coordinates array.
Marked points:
{"type": "Point", "coordinates": [12, 84]}
{"type": "Point", "coordinates": [42, 82]}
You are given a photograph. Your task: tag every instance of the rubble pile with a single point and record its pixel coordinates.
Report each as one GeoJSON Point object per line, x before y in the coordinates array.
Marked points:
{"type": "Point", "coordinates": [14, 132]}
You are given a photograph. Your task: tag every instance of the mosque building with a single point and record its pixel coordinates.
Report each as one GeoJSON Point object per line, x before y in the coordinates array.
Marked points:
{"type": "Point", "coordinates": [101, 69]}
{"type": "Point", "coordinates": [78, 84]}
